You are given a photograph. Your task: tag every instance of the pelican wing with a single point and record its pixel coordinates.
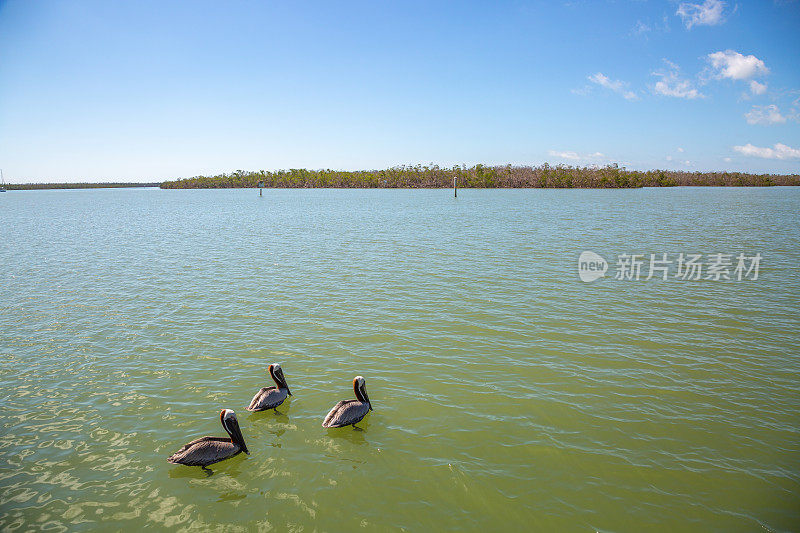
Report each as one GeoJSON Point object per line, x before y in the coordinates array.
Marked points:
{"type": "Point", "coordinates": [345, 413]}
{"type": "Point", "coordinates": [205, 451]}
{"type": "Point", "coordinates": [267, 398]}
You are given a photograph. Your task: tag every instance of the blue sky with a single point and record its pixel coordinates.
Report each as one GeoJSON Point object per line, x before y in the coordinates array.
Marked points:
{"type": "Point", "coordinates": [140, 91]}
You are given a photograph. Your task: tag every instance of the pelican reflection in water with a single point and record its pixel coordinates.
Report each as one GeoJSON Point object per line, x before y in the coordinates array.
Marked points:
{"type": "Point", "coordinates": [209, 450]}
{"type": "Point", "coordinates": [350, 412]}
{"type": "Point", "coordinates": [271, 397]}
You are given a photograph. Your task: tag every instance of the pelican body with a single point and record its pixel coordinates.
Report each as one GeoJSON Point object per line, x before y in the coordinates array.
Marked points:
{"type": "Point", "coordinates": [271, 397]}
{"type": "Point", "coordinates": [350, 412]}
{"type": "Point", "coordinates": [209, 450]}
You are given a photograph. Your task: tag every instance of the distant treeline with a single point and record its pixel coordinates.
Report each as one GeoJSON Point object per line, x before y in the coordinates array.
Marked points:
{"type": "Point", "coordinates": [36, 186]}
{"type": "Point", "coordinates": [480, 176]}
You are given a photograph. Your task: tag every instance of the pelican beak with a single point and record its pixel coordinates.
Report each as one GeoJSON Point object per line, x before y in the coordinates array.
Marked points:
{"type": "Point", "coordinates": [280, 380]}
{"type": "Point", "coordinates": [366, 397]}
{"type": "Point", "coordinates": [236, 434]}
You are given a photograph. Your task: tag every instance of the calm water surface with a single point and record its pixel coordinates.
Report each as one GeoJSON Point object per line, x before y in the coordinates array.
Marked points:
{"type": "Point", "coordinates": [508, 394]}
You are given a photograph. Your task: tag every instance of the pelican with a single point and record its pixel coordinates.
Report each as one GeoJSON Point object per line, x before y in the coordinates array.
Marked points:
{"type": "Point", "coordinates": [271, 397]}
{"type": "Point", "coordinates": [350, 412]}
{"type": "Point", "coordinates": [209, 450]}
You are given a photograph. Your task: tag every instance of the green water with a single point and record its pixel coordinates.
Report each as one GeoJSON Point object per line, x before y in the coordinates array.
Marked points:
{"type": "Point", "coordinates": [508, 394]}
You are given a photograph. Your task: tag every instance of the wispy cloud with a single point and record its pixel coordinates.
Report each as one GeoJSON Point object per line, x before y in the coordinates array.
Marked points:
{"type": "Point", "coordinates": [646, 27]}
{"type": "Point", "coordinates": [709, 13]}
{"type": "Point", "coordinates": [641, 28]}
{"type": "Point", "coordinates": [583, 91]}
{"type": "Point", "coordinates": [733, 65]}
{"type": "Point", "coordinates": [765, 115]}
{"type": "Point", "coordinates": [779, 151]}
{"type": "Point", "coordinates": [671, 84]}
{"type": "Point", "coordinates": [617, 86]}
{"type": "Point", "coordinates": [575, 156]}
{"type": "Point", "coordinates": [757, 88]}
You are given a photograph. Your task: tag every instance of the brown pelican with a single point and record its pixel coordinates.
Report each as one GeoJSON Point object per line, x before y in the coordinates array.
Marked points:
{"type": "Point", "coordinates": [209, 450]}
{"type": "Point", "coordinates": [271, 397]}
{"type": "Point", "coordinates": [350, 412]}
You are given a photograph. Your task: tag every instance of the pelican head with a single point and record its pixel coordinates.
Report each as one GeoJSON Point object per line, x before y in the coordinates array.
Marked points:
{"type": "Point", "coordinates": [276, 372]}
{"type": "Point", "coordinates": [231, 425]}
{"type": "Point", "coordinates": [360, 388]}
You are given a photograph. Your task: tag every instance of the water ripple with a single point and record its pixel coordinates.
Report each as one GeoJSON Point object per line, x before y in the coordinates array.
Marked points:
{"type": "Point", "coordinates": [507, 393]}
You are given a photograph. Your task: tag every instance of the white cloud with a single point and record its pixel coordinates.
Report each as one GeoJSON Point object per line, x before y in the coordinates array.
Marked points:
{"type": "Point", "coordinates": [615, 85]}
{"type": "Point", "coordinates": [733, 65]}
{"type": "Point", "coordinates": [764, 115]}
{"type": "Point", "coordinates": [684, 162]}
{"type": "Point", "coordinates": [575, 156]}
{"type": "Point", "coordinates": [671, 84]}
{"type": "Point", "coordinates": [779, 151]}
{"type": "Point", "coordinates": [709, 13]}
{"type": "Point", "coordinates": [727, 159]}
{"type": "Point", "coordinates": [680, 149]}
{"type": "Point", "coordinates": [757, 88]}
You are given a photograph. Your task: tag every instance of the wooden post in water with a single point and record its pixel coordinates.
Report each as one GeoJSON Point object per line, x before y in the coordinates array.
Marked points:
{"type": "Point", "coordinates": [455, 186]}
